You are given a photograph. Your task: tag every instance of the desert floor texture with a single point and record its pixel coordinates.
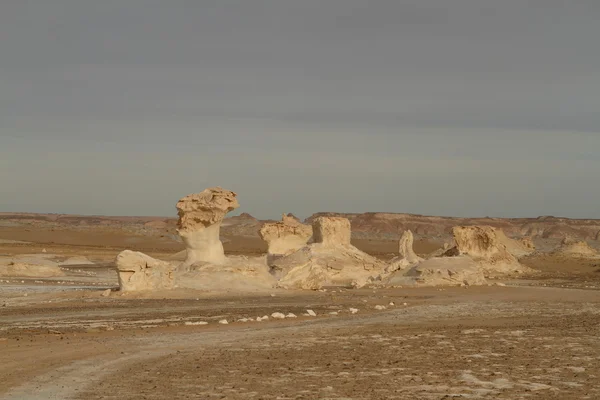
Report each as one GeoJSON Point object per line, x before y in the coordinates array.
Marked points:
{"type": "Point", "coordinates": [77, 337]}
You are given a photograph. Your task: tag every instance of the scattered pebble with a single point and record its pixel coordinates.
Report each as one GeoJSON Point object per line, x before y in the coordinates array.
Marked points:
{"type": "Point", "coordinates": [291, 315]}
{"type": "Point", "coordinates": [404, 304]}
{"type": "Point", "coordinates": [379, 307]}
{"type": "Point", "coordinates": [311, 313]}
{"type": "Point", "coordinates": [223, 321]}
{"type": "Point", "coordinates": [278, 315]}
{"type": "Point", "coordinates": [353, 310]}
{"type": "Point", "coordinates": [333, 313]}
{"type": "Point", "coordinates": [392, 303]}
{"type": "Point", "coordinates": [192, 323]}
{"type": "Point", "coordinates": [106, 293]}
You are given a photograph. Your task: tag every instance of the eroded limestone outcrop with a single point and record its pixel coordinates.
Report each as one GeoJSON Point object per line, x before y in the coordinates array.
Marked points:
{"type": "Point", "coordinates": [576, 248]}
{"type": "Point", "coordinates": [139, 272]}
{"type": "Point", "coordinates": [407, 256]}
{"type": "Point", "coordinates": [439, 271]}
{"type": "Point", "coordinates": [518, 248]}
{"type": "Point", "coordinates": [205, 266]}
{"type": "Point", "coordinates": [284, 237]}
{"type": "Point", "coordinates": [486, 246]}
{"type": "Point", "coordinates": [236, 274]}
{"type": "Point", "coordinates": [330, 261]}
{"type": "Point", "coordinates": [199, 224]}
{"type": "Point", "coordinates": [30, 266]}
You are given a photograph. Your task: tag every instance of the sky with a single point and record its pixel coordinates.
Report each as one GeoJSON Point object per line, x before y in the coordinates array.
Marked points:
{"type": "Point", "coordinates": [437, 107]}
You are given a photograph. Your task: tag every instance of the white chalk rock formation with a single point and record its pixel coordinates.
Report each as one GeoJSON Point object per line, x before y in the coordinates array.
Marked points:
{"type": "Point", "coordinates": [23, 270]}
{"type": "Point", "coordinates": [439, 252]}
{"type": "Point", "coordinates": [236, 274]}
{"type": "Point", "coordinates": [407, 256]}
{"type": "Point", "coordinates": [518, 248]}
{"type": "Point", "coordinates": [30, 266]}
{"type": "Point", "coordinates": [439, 271]}
{"type": "Point", "coordinates": [329, 261]}
{"type": "Point", "coordinates": [205, 266]}
{"type": "Point", "coordinates": [284, 237]}
{"type": "Point", "coordinates": [575, 248]}
{"type": "Point", "coordinates": [138, 271]}
{"type": "Point", "coordinates": [484, 244]}
{"type": "Point", "coordinates": [199, 224]}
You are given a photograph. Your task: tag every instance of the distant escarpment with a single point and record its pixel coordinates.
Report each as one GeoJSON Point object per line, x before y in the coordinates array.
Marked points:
{"type": "Point", "coordinates": [381, 225]}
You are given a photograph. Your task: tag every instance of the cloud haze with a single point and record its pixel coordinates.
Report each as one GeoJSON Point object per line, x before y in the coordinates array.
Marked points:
{"type": "Point", "coordinates": [452, 107]}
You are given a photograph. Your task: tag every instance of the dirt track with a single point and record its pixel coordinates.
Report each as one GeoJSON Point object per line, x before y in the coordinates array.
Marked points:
{"type": "Point", "coordinates": [487, 342]}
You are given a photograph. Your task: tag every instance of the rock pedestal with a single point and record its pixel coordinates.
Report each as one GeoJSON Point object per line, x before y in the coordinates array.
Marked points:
{"type": "Point", "coordinates": [199, 224]}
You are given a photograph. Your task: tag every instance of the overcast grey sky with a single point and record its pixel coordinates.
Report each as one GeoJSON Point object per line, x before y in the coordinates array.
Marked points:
{"type": "Point", "coordinates": [444, 107]}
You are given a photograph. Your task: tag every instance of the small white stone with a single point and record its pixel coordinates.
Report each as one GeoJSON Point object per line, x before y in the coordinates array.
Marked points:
{"type": "Point", "coordinates": [333, 313]}
{"type": "Point", "coordinates": [311, 313]}
{"type": "Point", "coordinates": [278, 315]}
{"type": "Point", "coordinates": [223, 321]}
{"type": "Point", "coordinates": [291, 315]}
{"type": "Point", "coordinates": [242, 320]}
{"type": "Point", "coordinates": [500, 284]}
{"type": "Point", "coordinates": [378, 307]}
{"type": "Point", "coordinates": [392, 303]}
{"type": "Point", "coordinates": [353, 310]}
{"type": "Point", "coordinates": [404, 304]}
{"type": "Point", "coordinates": [193, 323]}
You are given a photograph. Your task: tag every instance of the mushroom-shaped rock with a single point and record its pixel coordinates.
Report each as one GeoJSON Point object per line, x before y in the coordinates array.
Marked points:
{"type": "Point", "coordinates": [138, 271]}
{"type": "Point", "coordinates": [329, 261]}
{"type": "Point", "coordinates": [200, 217]}
{"type": "Point", "coordinates": [407, 256]}
{"type": "Point", "coordinates": [284, 237]}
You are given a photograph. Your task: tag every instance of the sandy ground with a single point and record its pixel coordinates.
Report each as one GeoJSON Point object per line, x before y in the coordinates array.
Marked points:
{"type": "Point", "coordinates": [535, 338]}
{"type": "Point", "coordinates": [485, 342]}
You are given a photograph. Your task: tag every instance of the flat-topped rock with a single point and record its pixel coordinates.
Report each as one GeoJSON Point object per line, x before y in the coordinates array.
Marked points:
{"type": "Point", "coordinates": [285, 236]}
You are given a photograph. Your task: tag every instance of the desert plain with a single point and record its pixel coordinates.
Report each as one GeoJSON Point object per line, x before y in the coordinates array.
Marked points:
{"type": "Point", "coordinates": [74, 334]}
